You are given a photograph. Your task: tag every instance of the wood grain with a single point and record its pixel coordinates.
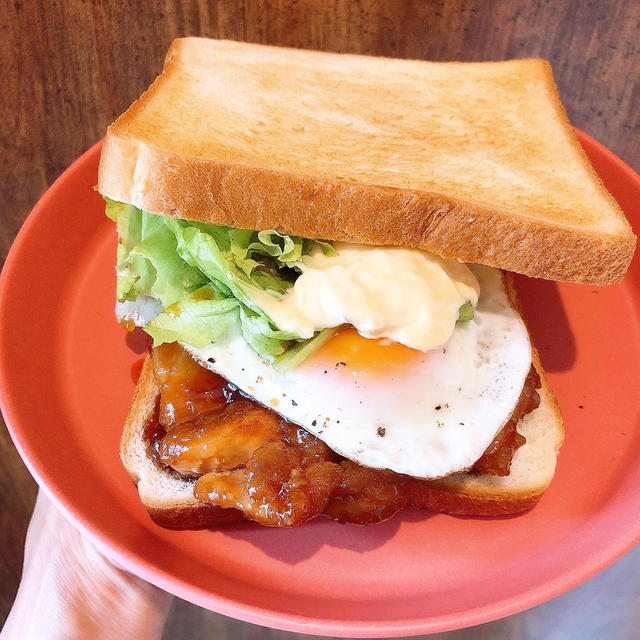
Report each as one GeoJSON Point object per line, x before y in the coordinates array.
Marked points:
{"type": "Point", "coordinates": [68, 68]}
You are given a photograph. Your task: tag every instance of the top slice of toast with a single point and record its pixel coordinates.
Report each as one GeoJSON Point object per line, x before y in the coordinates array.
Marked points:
{"type": "Point", "coordinates": [476, 161]}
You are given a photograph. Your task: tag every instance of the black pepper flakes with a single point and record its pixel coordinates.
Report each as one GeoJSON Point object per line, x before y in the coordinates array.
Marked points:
{"type": "Point", "coordinates": [294, 403]}
{"type": "Point", "coordinates": [438, 407]}
{"type": "Point", "coordinates": [381, 431]}
{"type": "Point", "coordinates": [314, 423]}
{"type": "Point", "coordinates": [211, 360]}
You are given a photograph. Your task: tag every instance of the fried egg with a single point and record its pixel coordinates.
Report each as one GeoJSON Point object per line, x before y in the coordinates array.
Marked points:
{"type": "Point", "coordinates": [387, 406]}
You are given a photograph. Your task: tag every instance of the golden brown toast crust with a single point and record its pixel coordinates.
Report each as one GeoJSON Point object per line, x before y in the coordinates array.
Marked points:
{"type": "Point", "coordinates": [202, 516]}
{"type": "Point", "coordinates": [520, 193]}
{"type": "Point", "coordinates": [458, 503]}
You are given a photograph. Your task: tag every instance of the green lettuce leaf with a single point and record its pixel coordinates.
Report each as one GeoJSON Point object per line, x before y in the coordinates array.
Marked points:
{"type": "Point", "coordinates": [148, 263]}
{"type": "Point", "coordinates": [299, 352]}
{"type": "Point", "coordinates": [198, 318]}
{"type": "Point", "coordinates": [206, 276]}
{"type": "Point", "coordinates": [465, 312]}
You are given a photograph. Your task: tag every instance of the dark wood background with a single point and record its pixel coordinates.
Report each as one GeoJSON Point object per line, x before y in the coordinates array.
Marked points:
{"type": "Point", "coordinates": [68, 68]}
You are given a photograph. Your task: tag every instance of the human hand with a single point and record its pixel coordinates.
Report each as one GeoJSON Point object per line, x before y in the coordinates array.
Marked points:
{"type": "Point", "coordinates": [69, 590]}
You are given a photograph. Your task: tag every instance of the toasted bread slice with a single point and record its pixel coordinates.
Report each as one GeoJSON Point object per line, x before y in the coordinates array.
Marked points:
{"type": "Point", "coordinates": [170, 502]}
{"type": "Point", "coordinates": [475, 161]}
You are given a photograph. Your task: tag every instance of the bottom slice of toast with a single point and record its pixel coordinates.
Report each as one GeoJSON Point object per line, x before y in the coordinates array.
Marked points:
{"type": "Point", "coordinates": [170, 501]}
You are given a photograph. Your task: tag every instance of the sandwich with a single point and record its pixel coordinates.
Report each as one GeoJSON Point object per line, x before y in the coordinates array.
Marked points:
{"type": "Point", "coordinates": [320, 248]}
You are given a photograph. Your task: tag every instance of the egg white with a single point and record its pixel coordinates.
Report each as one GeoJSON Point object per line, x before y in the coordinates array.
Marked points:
{"type": "Point", "coordinates": [428, 420]}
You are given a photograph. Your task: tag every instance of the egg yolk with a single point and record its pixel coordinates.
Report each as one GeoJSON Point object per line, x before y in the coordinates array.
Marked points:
{"type": "Point", "coordinates": [356, 354]}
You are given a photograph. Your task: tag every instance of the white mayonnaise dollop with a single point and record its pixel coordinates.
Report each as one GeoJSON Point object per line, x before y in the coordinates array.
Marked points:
{"type": "Point", "coordinates": [405, 295]}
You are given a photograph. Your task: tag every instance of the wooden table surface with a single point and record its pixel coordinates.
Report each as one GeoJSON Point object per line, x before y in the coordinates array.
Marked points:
{"type": "Point", "coordinates": [69, 67]}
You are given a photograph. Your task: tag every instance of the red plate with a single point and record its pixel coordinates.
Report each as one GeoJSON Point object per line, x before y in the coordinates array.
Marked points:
{"type": "Point", "coordinates": [65, 385]}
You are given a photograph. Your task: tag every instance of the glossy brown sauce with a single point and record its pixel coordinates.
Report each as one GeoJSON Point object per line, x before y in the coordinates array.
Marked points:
{"type": "Point", "coordinates": [249, 458]}
{"type": "Point", "coordinates": [136, 369]}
